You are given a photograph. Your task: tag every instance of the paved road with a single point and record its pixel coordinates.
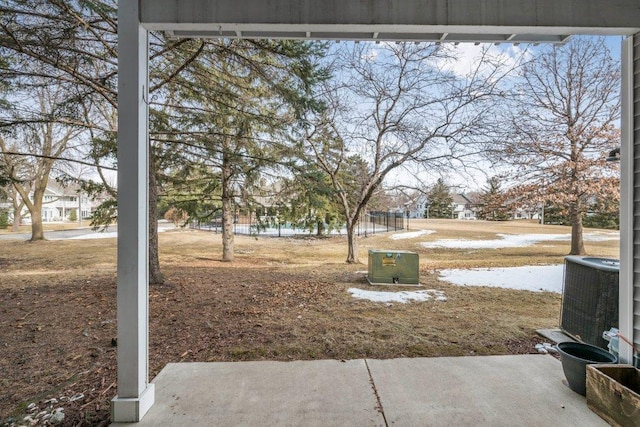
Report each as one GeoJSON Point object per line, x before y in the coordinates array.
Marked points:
{"type": "Point", "coordinates": [58, 235]}
{"type": "Point", "coordinates": [79, 233]}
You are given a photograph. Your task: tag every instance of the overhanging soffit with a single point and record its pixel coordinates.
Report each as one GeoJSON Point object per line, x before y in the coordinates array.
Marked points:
{"type": "Point", "coordinates": [511, 21]}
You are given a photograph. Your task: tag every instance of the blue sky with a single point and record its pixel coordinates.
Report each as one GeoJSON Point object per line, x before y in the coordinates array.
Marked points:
{"type": "Point", "coordinates": [475, 175]}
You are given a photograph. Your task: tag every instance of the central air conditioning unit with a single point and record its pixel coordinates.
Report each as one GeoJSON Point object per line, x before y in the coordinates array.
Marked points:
{"type": "Point", "coordinates": [590, 298]}
{"type": "Point", "coordinates": [391, 267]}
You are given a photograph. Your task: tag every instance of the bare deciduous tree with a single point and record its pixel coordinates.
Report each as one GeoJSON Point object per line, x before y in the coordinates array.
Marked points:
{"type": "Point", "coordinates": [395, 104]}
{"type": "Point", "coordinates": [41, 130]}
{"type": "Point", "coordinates": [561, 122]}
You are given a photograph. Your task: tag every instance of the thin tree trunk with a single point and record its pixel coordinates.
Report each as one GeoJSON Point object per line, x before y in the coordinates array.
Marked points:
{"type": "Point", "coordinates": [352, 244]}
{"type": "Point", "coordinates": [17, 217]}
{"type": "Point", "coordinates": [155, 275]}
{"type": "Point", "coordinates": [320, 228]}
{"type": "Point", "coordinates": [227, 210]}
{"type": "Point", "coordinates": [577, 242]}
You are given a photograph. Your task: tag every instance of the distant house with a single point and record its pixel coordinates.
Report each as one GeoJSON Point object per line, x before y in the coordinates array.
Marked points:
{"type": "Point", "coordinates": [463, 207]}
{"type": "Point", "coordinates": [417, 207]}
{"type": "Point", "coordinates": [526, 213]}
{"type": "Point", "coordinates": [58, 203]}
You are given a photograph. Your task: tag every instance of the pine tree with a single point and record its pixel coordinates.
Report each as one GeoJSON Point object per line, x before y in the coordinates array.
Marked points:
{"type": "Point", "coordinates": [312, 203]}
{"type": "Point", "coordinates": [440, 201]}
{"type": "Point", "coordinates": [235, 110]}
{"type": "Point", "coordinates": [493, 202]}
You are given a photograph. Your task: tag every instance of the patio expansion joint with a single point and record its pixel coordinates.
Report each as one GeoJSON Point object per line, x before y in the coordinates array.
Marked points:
{"type": "Point", "coordinates": [375, 392]}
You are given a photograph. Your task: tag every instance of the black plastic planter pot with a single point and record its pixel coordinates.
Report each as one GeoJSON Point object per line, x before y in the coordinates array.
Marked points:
{"type": "Point", "coordinates": [575, 357]}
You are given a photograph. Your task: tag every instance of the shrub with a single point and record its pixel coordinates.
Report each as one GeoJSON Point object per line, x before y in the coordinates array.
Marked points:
{"type": "Point", "coordinates": [176, 215]}
{"type": "Point", "coordinates": [4, 219]}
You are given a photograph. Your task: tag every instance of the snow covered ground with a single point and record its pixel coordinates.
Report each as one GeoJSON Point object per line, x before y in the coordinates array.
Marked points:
{"type": "Point", "coordinates": [411, 234]}
{"type": "Point", "coordinates": [162, 227]}
{"type": "Point", "coordinates": [96, 235]}
{"type": "Point", "coordinates": [531, 278]}
{"type": "Point", "coordinates": [515, 240]}
{"type": "Point", "coordinates": [400, 297]}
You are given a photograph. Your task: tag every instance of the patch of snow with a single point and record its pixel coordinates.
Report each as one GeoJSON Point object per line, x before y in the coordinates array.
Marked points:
{"type": "Point", "coordinates": [531, 278]}
{"type": "Point", "coordinates": [112, 234]}
{"type": "Point", "coordinates": [96, 235]}
{"type": "Point", "coordinates": [411, 234]}
{"type": "Point", "coordinates": [514, 241]}
{"type": "Point", "coordinates": [401, 297]}
{"type": "Point", "coordinates": [601, 236]}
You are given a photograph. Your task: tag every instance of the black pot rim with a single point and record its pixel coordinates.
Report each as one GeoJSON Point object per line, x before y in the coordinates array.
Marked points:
{"type": "Point", "coordinates": [570, 344]}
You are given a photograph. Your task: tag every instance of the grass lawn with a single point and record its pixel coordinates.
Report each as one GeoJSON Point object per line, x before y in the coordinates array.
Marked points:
{"type": "Point", "coordinates": [282, 299]}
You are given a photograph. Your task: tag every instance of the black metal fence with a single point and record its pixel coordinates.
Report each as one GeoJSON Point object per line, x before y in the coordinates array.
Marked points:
{"type": "Point", "coordinates": [381, 222]}
{"type": "Point", "coordinates": [251, 224]}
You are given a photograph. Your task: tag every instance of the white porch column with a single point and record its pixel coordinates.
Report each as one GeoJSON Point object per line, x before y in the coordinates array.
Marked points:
{"type": "Point", "coordinates": [135, 394]}
{"type": "Point", "coordinates": [627, 181]}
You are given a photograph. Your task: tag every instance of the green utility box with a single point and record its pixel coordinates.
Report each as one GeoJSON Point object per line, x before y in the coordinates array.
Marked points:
{"type": "Point", "coordinates": [393, 268]}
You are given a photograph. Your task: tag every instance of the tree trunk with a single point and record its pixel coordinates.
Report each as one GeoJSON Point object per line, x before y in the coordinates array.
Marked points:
{"type": "Point", "coordinates": [37, 230]}
{"type": "Point", "coordinates": [320, 228]}
{"type": "Point", "coordinates": [155, 275]}
{"type": "Point", "coordinates": [352, 244]}
{"type": "Point", "coordinates": [577, 243]}
{"type": "Point", "coordinates": [17, 218]}
{"type": "Point", "coordinates": [227, 210]}
{"type": "Point", "coordinates": [35, 209]}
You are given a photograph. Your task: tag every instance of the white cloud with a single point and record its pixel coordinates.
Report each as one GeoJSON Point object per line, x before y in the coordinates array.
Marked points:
{"type": "Point", "coordinates": [468, 56]}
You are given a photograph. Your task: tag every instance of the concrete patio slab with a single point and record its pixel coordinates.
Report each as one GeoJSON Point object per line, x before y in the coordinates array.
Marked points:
{"type": "Point", "coordinates": [301, 393]}
{"type": "Point", "coordinates": [523, 390]}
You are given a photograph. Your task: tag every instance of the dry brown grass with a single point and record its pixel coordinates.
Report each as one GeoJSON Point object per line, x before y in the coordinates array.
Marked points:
{"type": "Point", "coordinates": [310, 251]}
{"type": "Point", "coordinates": [282, 299]}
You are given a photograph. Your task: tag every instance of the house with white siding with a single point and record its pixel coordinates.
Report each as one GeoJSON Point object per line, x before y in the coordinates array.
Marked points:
{"type": "Point", "coordinates": [60, 201]}
{"type": "Point", "coordinates": [417, 208]}
{"type": "Point", "coordinates": [463, 207]}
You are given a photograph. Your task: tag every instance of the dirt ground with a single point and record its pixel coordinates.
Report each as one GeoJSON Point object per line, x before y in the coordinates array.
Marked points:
{"type": "Point", "coordinates": [282, 299]}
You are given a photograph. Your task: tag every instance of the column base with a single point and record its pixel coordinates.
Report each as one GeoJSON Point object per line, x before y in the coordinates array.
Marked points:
{"type": "Point", "coordinates": [131, 410]}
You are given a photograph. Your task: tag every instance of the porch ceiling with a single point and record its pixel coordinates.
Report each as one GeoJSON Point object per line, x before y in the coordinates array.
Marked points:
{"type": "Point", "coordinates": [497, 21]}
